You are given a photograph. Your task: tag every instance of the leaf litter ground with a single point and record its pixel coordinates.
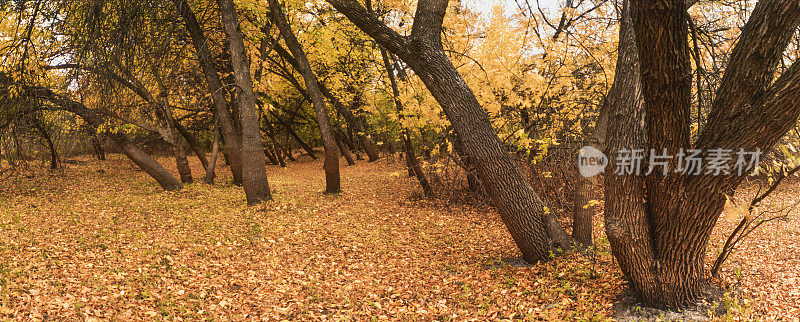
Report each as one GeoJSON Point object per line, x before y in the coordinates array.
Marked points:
{"type": "Point", "coordinates": [99, 240]}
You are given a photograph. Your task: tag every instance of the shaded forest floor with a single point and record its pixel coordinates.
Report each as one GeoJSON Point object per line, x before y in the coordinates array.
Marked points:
{"type": "Point", "coordinates": [100, 240]}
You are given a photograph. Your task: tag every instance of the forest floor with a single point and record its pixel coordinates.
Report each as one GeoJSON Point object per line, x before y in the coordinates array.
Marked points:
{"type": "Point", "coordinates": [101, 240]}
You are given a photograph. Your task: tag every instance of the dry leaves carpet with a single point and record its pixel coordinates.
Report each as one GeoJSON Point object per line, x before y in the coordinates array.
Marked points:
{"type": "Point", "coordinates": [100, 240]}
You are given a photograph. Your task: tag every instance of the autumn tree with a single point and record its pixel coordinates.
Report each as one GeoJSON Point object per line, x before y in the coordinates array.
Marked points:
{"type": "Point", "coordinates": [530, 222]}
{"type": "Point", "coordinates": [254, 173]}
{"type": "Point", "coordinates": [659, 226]}
{"type": "Point", "coordinates": [331, 162]}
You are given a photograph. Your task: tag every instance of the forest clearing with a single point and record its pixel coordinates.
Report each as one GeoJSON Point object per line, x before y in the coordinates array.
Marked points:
{"type": "Point", "coordinates": [80, 243]}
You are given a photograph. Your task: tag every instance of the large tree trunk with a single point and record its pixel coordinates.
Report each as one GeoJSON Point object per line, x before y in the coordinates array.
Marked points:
{"type": "Point", "coordinates": [659, 238]}
{"type": "Point", "coordinates": [229, 134]}
{"type": "Point", "coordinates": [331, 163]}
{"type": "Point", "coordinates": [531, 223]}
{"type": "Point", "coordinates": [254, 171]}
{"type": "Point", "coordinates": [145, 161]}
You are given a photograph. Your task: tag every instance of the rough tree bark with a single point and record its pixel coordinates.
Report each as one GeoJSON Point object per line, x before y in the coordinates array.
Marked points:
{"type": "Point", "coordinates": [230, 136]}
{"type": "Point", "coordinates": [531, 224]}
{"type": "Point", "coordinates": [254, 168]}
{"type": "Point", "coordinates": [659, 238]}
{"type": "Point", "coordinates": [331, 162]}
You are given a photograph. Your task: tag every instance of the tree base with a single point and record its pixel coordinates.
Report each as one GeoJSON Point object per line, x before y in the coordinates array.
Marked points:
{"type": "Point", "coordinates": [629, 308]}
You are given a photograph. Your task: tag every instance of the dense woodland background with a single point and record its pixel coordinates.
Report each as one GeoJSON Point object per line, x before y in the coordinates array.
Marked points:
{"type": "Point", "coordinates": [473, 111]}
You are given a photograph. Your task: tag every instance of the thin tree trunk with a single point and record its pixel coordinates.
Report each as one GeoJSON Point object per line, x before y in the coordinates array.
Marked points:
{"type": "Point", "coordinates": [414, 163]}
{"type": "Point", "coordinates": [271, 156]}
{"type": "Point", "coordinates": [50, 145]}
{"type": "Point", "coordinates": [294, 135]}
{"type": "Point", "coordinates": [229, 134]}
{"type": "Point", "coordinates": [411, 157]}
{"type": "Point", "coordinates": [279, 155]}
{"type": "Point", "coordinates": [192, 142]}
{"type": "Point", "coordinates": [352, 120]}
{"type": "Point", "coordinates": [210, 171]}
{"type": "Point", "coordinates": [344, 150]}
{"type": "Point", "coordinates": [331, 163]}
{"type": "Point", "coordinates": [254, 171]}
{"type": "Point", "coordinates": [288, 153]}
{"type": "Point", "coordinates": [280, 148]}
{"type": "Point", "coordinates": [583, 211]}
{"type": "Point", "coordinates": [98, 148]}
{"type": "Point", "coordinates": [472, 181]}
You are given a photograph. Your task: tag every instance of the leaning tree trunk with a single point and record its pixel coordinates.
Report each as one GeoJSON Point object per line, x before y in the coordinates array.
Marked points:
{"type": "Point", "coordinates": [293, 134]}
{"type": "Point", "coordinates": [254, 171]}
{"type": "Point", "coordinates": [230, 136]}
{"type": "Point", "coordinates": [412, 162]}
{"type": "Point", "coordinates": [344, 150]}
{"type": "Point", "coordinates": [331, 163]}
{"type": "Point", "coordinates": [145, 161]}
{"type": "Point", "coordinates": [192, 142]}
{"type": "Point", "coordinates": [94, 120]}
{"type": "Point", "coordinates": [531, 223]}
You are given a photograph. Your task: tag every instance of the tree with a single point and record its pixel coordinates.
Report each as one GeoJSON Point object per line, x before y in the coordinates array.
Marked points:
{"type": "Point", "coordinates": [331, 162]}
{"type": "Point", "coordinates": [659, 226]}
{"type": "Point", "coordinates": [94, 118]}
{"type": "Point", "coordinates": [254, 172]}
{"type": "Point", "coordinates": [199, 40]}
{"type": "Point", "coordinates": [411, 157]}
{"type": "Point", "coordinates": [531, 223]}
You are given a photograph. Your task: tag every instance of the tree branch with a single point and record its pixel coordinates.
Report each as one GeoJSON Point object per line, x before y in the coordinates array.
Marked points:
{"type": "Point", "coordinates": [371, 24]}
